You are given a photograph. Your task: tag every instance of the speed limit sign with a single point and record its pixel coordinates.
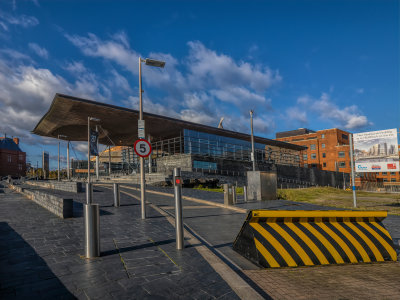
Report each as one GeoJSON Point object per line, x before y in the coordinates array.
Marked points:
{"type": "Point", "coordinates": [142, 148]}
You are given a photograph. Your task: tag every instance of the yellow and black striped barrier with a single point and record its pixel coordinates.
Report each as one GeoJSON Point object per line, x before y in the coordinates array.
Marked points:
{"type": "Point", "coordinates": [273, 239]}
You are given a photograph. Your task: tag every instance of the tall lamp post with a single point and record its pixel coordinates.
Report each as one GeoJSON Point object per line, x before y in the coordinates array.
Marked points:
{"type": "Point", "coordinates": [95, 120]}
{"type": "Point", "coordinates": [152, 63]}
{"type": "Point", "coordinates": [58, 169]}
{"type": "Point", "coordinates": [252, 141]}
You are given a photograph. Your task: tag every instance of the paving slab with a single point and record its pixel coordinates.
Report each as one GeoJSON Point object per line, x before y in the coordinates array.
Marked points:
{"type": "Point", "coordinates": [41, 255]}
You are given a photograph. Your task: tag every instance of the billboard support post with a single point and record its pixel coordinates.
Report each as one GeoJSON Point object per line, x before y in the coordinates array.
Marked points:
{"type": "Point", "coordinates": [352, 171]}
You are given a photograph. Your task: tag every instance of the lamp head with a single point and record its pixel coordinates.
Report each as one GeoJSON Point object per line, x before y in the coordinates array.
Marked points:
{"type": "Point", "coordinates": [154, 63]}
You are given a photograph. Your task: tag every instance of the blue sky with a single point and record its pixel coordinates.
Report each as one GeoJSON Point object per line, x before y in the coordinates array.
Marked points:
{"type": "Point", "coordinates": [315, 64]}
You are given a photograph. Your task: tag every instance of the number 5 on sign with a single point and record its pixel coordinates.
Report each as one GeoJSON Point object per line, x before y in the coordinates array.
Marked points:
{"type": "Point", "coordinates": [142, 148]}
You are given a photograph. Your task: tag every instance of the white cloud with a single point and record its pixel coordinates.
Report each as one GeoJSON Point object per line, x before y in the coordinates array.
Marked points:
{"type": "Point", "coordinates": [297, 114]}
{"type": "Point", "coordinates": [27, 92]}
{"type": "Point", "coordinates": [349, 117]}
{"type": "Point", "coordinates": [116, 50]}
{"type": "Point", "coordinates": [193, 86]}
{"type": "Point", "coordinates": [19, 20]}
{"type": "Point", "coordinates": [206, 66]}
{"type": "Point", "coordinates": [75, 67]}
{"type": "Point", "coordinates": [42, 52]}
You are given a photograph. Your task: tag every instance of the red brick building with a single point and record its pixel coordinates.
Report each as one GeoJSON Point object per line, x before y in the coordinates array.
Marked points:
{"type": "Point", "coordinates": [326, 149]}
{"type": "Point", "coordinates": [12, 158]}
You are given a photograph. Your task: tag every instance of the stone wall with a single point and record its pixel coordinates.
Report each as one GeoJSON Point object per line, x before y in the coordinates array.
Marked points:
{"type": "Point", "coordinates": [59, 206]}
{"type": "Point", "coordinates": [67, 186]}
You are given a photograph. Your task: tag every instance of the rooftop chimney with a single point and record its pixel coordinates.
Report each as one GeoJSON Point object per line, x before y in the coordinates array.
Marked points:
{"type": "Point", "coordinates": [16, 140]}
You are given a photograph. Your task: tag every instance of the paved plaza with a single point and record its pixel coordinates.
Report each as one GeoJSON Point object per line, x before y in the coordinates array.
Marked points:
{"type": "Point", "coordinates": [41, 255]}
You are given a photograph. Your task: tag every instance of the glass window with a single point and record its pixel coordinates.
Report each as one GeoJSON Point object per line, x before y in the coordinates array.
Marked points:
{"type": "Point", "coordinates": [392, 173]}
{"type": "Point", "coordinates": [322, 136]}
{"type": "Point", "coordinates": [324, 165]}
{"type": "Point", "coordinates": [204, 165]}
{"type": "Point", "coordinates": [323, 155]}
{"type": "Point", "coordinates": [393, 180]}
{"type": "Point", "coordinates": [377, 173]}
{"type": "Point", "coordinates": [304, 156]}
{"type": "Point", "coordinates": [342, 164]}
{"type": "Point", "coordinates": [345, 137]}
{"type": "Point", "coordinates": [313, 165]}
{"type": "Point", "coordinates": [9, 158]}
{"type": "Point", "coordinates": [384, 173]}
{"type": "Point", "coordinates": [384, 180]}
{"type": "Point", "coordinates": [312, 146]}
{"type": "Point", "coordinates": [313, 156]}
{"type": "Point", "coordinates": [305, 165]}
{"type": "Point", "coordinates": [341, 154]}
{"type": "Point", "coordinates": [323, 145]}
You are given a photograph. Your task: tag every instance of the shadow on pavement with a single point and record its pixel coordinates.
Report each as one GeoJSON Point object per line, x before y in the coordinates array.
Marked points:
{"type": "Point", "coordinates": [23, 273]}
{"type": "Point", "coordinates": [78, 210]}
{"type": "Point", "coordinates": [133, 248]}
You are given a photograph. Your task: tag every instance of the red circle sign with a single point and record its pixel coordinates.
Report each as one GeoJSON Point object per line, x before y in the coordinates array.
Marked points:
{"type": "Point", "coordinates": [142, 148]}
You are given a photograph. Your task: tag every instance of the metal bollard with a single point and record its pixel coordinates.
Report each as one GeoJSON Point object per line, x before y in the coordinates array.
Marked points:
{"type": "Point", "coordinates": [245, 193]}
{"type": "Point", "coordinates": [234, 195]}
{"type": "Point", "coordinates": [228, 199]}
{"type": "Point", "coordinates": [91, 214]}
{"type": "Point", "coordinates": [178, 208]}
{"type": "Point", "coordinates": [116, 195]}
{"type": "Point", "coordinates": [89, 193]}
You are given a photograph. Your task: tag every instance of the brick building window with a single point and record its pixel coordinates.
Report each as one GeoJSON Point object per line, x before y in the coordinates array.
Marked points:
{"type": "Point", "coordinates": [342, 154]}
{"type": "Point", "coordinates": [392, 173]}
{"type": "Point", "coordinates": [377, 173]}
{"type": "Point", "coordinates": [345, 137]}
{"type": "Point", "coordinates": [312, 146]}
{"type": "Point", "coordinates": [21, 157]}
{"type": "Point", "coordinates": [20, 167]}
{"type": "Point", "coordinates": [305, 165]}
{"type": "Point", "coordinates": [323, 155]}
{"type": "Point", "coordinates": [393, 180]}
{"type": "Point", "coordinates": [324, 165]}
{"type": "Point", "coordinates": [322, 136]}
{"type": "Point", "coordinates": [9, 159]}
{"type": "Point", "coordinates": [313, 156]}
{"type": "Point", "coordinates": [304, 156]}
{"type": "Point", "coordinates": [342, 164]}
{"type": "Point", "coordinates": [384, 180]}
{"type": "Point", "coordinates": [323, 145]}
{"type": "Point", "coordinates": [384, 173]}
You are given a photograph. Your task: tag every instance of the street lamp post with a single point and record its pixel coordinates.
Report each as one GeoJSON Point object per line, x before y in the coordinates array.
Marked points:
{"type": "Point", "coordinates": [58, 169]}
{"type": "Point", "coordinates": [68, 171]}
{"type": "Point", "coordinates": [158, 64]}
{"type": "Point", "coordinates": [95, 120]}
{"type": "Point", "coordinates": [252, 141]}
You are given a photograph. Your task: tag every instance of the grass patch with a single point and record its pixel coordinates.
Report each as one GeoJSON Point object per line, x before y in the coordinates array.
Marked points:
{"type": "Point", "coordinates": [328, 196]}
{"type": "Point", "coordinates": [239, 190]}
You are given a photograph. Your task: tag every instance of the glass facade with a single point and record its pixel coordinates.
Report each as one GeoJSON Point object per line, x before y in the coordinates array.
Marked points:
{"type": "Point", "coordinates": [204, 165]}
{"type": "Point", "coordinates": [202, 143]}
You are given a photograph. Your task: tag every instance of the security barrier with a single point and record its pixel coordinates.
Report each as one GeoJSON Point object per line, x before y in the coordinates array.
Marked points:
{"type": "Point", "coordinates": [273, 239]}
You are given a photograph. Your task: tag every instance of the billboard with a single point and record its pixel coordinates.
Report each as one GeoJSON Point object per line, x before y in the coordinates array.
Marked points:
{"type": "Point", "coordinates": [376, 151]}
{"type": "Point", "coordinates": [45, 164]}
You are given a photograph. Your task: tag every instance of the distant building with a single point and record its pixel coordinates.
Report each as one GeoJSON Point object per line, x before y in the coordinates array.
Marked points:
{"type": "Point", "coordinates": [12, 158]}
{"type": "Point", "coordinates": [327, 149]}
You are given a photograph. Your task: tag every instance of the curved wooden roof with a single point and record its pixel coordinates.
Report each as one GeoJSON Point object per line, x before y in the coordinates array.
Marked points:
{"type": "Point", "coordinates": [68, 116]}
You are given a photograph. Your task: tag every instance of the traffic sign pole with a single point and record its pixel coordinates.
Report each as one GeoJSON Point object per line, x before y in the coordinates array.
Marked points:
{"type": "Point", "coordinates": [143, 149]}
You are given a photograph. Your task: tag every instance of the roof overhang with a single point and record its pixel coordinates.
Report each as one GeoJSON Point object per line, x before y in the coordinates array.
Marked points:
{"type": "Point", "coordinates": [68, 116]}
